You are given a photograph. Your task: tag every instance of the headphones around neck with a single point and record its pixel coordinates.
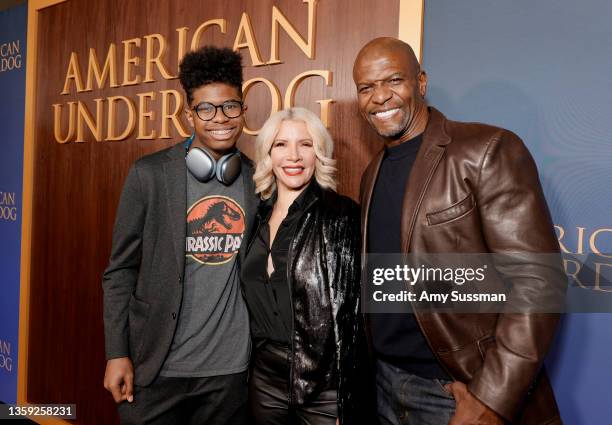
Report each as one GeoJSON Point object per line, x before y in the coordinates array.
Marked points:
{"type": "Point", "coordinates": [202, 165]}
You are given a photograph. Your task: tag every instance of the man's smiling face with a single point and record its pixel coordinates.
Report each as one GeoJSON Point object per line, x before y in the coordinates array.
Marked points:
{"type": "Point", "coordinates": [390, 91]}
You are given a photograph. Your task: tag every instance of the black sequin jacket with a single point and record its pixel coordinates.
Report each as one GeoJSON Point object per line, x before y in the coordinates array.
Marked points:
{"type": "Point", "coordinates": [323, 272]}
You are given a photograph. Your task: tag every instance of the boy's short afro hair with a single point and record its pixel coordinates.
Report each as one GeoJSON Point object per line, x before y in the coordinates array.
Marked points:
{"type": "Point", "coordinates": [210, 64]}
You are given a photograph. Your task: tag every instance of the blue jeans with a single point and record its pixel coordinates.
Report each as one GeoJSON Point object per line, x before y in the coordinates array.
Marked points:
{"type": "Point", "coordinates": [406, 399]}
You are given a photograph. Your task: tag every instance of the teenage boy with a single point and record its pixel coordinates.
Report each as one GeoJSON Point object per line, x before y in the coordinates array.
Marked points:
{"type": "Point", "coordinates": [176, 326]}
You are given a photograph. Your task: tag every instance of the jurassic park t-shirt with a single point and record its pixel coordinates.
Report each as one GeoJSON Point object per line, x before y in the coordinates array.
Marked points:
{"type": "Point", "coordinates": [212, 335]}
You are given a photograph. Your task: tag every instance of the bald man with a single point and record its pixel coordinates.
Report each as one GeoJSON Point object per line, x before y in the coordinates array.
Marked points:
{"type": "Point", "coordinates": [441, 186]}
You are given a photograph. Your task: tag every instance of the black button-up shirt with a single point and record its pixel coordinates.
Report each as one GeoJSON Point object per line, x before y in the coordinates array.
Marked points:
{"type": "Point", "coordinates": [269, 297]}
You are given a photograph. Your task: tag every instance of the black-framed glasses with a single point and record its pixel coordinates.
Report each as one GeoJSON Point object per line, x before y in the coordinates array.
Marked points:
{"type": "Point", "coordinates": [206, 111]}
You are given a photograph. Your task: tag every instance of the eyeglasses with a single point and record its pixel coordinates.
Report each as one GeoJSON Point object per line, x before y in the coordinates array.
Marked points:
{"type": "Point", "coordinates": [207, 111]}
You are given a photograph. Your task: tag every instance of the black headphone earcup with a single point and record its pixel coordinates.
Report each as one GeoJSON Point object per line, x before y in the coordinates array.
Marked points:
{"type": "Point", "coordinates": [228, 168]}
{"type": "Point", "coordinates": [200, 164]}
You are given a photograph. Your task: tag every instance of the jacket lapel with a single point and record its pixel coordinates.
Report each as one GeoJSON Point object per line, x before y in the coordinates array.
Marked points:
{"type": "Point", "coordinates": [251, 201]}
{"type": "Point", "coordinates": [367, 188]}
{"type": "Point", "coordinates": [175, 181]}
{"type": "Point", "coordinates": [432, 149]}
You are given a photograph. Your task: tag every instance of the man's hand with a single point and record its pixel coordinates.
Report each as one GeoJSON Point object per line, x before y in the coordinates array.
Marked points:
{"type": "Point", "coordinates": [470, 410]}
{"type": "Point", "coordinates": [119, 379]}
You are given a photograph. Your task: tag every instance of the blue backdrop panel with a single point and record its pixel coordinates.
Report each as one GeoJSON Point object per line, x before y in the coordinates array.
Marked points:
{"type": "Point", "coordinates": [543, 70]}
{"type": "Point", "coordinates": [13, 24]}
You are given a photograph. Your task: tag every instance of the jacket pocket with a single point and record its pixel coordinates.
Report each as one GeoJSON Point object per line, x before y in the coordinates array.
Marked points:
{"type": "Point", "coordinates": [138, 316]}
{"type": "Point", "coordinates": [455, 211]}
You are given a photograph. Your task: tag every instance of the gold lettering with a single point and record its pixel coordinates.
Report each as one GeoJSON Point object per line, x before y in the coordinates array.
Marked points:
{"type": "Point", "coordinates": [182, 43]}
{"type": "Point", "coordinates": [598, 267]}
{"type": "Point", "coordinates": [559, 237]}
{"type": "Point", "coordinates": [580, 244]}
{"type": "Point", "coordinates": [73, 74]}
{"type": "Point", "coordinates": [278, 19]}
{"type": "Point", "coordinates": [245, 30]}
{"type": "Point", "coordinates": [110, 68]}
{"type": "Point", "coordinates": [5, 348]}
{"type": "Point", "coordinates": [151, 60]}
{"type": "Point", "coordinates": [574, 275]}
{"type": "Point", "coordinates": [294, 84]}
{"type": "Point", "coordinates": [112, 117]}
{"type": "Point", "coordinates": [173, 116]}
{"type": "Point", "coordinates": [57, 122]}
{"type": "Point", "coordinates": [144, 114]}
{"type": "Point", "coordinates": [592, 240]}
{"type": "Point", "coordinates": [195, 40]}
{"type": "Point", "coordinates": [325, 104]}
{"type": "Point", "coordinates": [129, 61]}
{"type": "Point", "coordinates": [274, 94]}
{"type": "Point", "coordinates": [95, 127]}
{"type": "Point", "coordinates": [7, 198]}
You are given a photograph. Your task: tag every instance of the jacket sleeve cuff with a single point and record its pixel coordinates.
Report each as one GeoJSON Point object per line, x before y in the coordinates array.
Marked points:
{"type": "Point", "coordinates": [116, 354]}
{"type": "Point", "coordinates": [507, 407]}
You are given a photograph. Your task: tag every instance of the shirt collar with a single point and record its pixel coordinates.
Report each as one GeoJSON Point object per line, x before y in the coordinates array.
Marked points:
{"type": "Point", "coordinates": [300, 204]}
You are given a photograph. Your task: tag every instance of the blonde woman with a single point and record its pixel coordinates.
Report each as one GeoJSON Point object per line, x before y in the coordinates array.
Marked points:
{"type": "Point", "coordinates": [300, 279]}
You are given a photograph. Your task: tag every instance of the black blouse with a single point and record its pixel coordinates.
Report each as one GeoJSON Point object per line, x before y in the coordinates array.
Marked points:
{"type": "Point", "coordinates": [269, 297]}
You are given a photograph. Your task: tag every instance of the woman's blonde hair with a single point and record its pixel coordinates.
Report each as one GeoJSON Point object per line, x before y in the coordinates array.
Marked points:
{"type": "Point", "coordinates": [325, 170]}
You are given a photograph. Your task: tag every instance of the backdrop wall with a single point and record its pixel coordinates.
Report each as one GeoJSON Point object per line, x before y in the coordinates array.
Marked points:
{"type": "Point", "coordinates": [13, 27]}
{"type": "Point", "coordinates": [106, 95]}
{"type": "Point", "coordinates": [542, 70]}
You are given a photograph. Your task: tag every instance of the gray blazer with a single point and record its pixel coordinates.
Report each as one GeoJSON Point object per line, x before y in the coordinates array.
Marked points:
{"type": "Point", "coordinates": [143, 281]}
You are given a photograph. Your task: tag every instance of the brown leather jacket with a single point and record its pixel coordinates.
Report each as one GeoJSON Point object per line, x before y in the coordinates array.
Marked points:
{"type": "Point", "coordinates": [474, 188]}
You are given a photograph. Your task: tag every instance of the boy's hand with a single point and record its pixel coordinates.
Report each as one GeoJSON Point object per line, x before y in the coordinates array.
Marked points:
{"type": "Point", "coordinates": [119, 379]}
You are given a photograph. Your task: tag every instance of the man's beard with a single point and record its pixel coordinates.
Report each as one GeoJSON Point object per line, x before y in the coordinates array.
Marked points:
{"type": "Point", "coordinates": [395, 132]}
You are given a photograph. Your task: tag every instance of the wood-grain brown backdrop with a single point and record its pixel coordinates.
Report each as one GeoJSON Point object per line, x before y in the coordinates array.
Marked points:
{"type": "Point", "coordinates": [77, 185]}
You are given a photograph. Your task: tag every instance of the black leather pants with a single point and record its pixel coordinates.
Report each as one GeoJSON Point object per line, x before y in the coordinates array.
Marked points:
{"type": "Point", "coordinates": [269, 392]}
